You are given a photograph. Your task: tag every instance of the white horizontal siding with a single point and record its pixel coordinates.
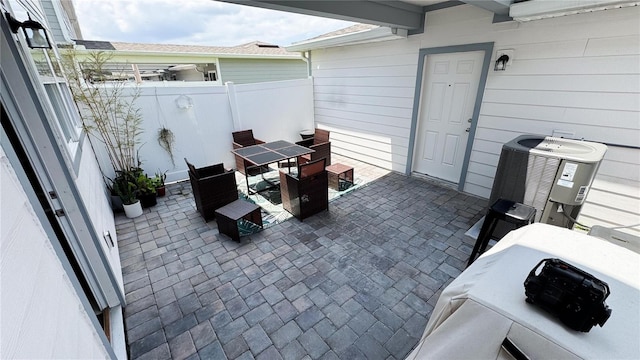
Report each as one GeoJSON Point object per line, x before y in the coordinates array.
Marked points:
{"type": "Point", "coordinates": [98, 207]}
{"type": "Point", "coordinates": [97, 204]}
{"type": "Point", "coordinates": [246, 71]}
{"type": "Point", "coordinates": [397, 93]}
{"type": "Point", "coordinates": [531, 64]}
{"type": "Point", "coordinates": [365, 97]}
{"type": "Point", "coordinates": [42, 315]}
{"type": "Point", "coordinates": [621, 163]}
{"type": "Point", "coordinates": [386, 101]}
{"type": "Point", "coordinates": [389, 82]}
{"type": "Point", "coordinates": [617, 133]}
{"type": "Point", "coordinates": [378, 149]}
{"type": "Point", "coordinates": [567, 83]}
{"type": "Point", "coordinates": [577, 74]}
{"type": "Point", "coordinates": [616, 197]}
{"type": "Point", "coordinates": [614, 101]}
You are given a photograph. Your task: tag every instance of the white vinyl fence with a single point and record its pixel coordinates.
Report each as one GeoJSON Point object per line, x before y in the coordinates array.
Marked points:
{"type": "Point", "coordinates": [203, 116]}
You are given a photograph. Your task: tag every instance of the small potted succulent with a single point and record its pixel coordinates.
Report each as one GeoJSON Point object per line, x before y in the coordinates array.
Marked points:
{"type": "Point", "coordinates": [158, 182]}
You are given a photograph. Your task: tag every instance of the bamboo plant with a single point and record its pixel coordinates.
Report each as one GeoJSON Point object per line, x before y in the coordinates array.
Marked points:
{"type": "Point", "coordinates": [108, 110]}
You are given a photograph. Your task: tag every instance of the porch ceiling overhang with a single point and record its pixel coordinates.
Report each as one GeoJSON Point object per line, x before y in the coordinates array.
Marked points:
{"type": "Point", "coordinates": [399, 18]}
{"type": "Point", "coordinates": [536, 10]}
{"type": "Point", "coordinates": [397, 14]}
{"type": "Point", "coordinates": [409, 14]}
{"type": "Point", "coordinates": [400, 14]}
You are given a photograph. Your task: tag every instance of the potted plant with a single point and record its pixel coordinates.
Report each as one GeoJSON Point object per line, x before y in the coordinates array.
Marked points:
{"type": "Point", "coordinates": [158, 181]}
{"type": "Point", "coordinates": [128, 193]}
{"type": "Point", "coordinates": [121, 182]}
{"type": "Point", "coordinates": [116, 202]}
{"type": "Point", "coordinates": [146, 190]}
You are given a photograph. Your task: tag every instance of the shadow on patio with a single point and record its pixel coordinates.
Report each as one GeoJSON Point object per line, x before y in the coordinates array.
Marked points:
{"type": "Point", "coordinates": [358, 281]}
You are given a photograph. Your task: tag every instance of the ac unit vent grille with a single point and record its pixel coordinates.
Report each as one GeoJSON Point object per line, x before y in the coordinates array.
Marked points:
{"type": "Point", "coordinates": [541, 171]}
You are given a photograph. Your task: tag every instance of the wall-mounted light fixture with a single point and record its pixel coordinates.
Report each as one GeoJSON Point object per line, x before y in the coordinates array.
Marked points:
{"type": "Point", "coordinates": [501, 63]}
{"type": "Point", "coordinates": [504, 57]}
{"type": "Point", "coordinates": [34, 32]}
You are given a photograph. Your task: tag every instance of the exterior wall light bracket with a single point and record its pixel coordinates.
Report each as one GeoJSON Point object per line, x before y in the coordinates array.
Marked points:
{"type": "Point", "coordinates": [34, 32]}
{"type": "Point", "coordinates": [504, 58]}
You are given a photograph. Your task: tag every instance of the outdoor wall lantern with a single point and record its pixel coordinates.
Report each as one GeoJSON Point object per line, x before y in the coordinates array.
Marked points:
{"type": "Point", "coordinates": [501, 63]}
{"type": "Point", "coordinates": [34, 32]}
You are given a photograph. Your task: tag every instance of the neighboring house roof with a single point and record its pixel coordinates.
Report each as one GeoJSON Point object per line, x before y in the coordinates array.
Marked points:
{"type": "Point", "coordinates": [256, 48]}
{"type": "Point", "coordinates": [348, 30]}
{"type": "Point", "coordinates": [355, 34]}
{"type": "Point", "coordinates": [95, 45]}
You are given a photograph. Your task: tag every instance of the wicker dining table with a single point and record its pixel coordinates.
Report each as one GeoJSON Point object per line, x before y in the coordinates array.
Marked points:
{"type": "Point", "coordinates": [269, 153]}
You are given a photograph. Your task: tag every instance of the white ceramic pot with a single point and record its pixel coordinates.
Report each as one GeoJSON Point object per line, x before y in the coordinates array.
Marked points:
{"type": "Point", "coordinates": [133, 210]}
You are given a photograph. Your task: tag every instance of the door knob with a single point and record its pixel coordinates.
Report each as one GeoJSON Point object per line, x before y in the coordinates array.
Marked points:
{"type": "Point", "coordinates": [469, 121]}
{"type": "Point", "coordinates": [467, 129]}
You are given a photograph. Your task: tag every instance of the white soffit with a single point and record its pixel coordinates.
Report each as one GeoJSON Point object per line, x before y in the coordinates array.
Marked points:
{"type": "Point", "coordinates": [542, 9]}
{"type": "Point", "coordinates": [373, 35]}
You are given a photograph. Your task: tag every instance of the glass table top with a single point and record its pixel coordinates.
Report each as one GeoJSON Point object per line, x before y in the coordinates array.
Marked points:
{"type": "Point", "coordinates": [250, 150]}
{"type": "Point", "coordinates": [264, 154]}
{"type": "Point", "coordinates": [265, 158]}
{"type": "Point", "coordinates": [277, 145]}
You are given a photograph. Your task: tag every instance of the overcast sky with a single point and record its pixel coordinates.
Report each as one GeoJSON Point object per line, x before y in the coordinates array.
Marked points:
{"type": "Point", "coordinates": [195, 22]}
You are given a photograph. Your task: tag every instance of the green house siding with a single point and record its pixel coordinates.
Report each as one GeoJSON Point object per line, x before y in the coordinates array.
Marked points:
{"type": "Point", "coordinates": [244, 71]}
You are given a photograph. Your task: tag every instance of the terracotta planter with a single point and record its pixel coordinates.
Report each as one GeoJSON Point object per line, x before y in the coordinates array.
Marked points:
{"type": "Point", "coordinates": [133, 210]}
{"type": "Point", "coordinates": [161, 191]}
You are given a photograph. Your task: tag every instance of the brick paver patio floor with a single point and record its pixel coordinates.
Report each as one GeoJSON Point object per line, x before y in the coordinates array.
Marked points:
{"type": "Point", "coordinates": [356, 282]}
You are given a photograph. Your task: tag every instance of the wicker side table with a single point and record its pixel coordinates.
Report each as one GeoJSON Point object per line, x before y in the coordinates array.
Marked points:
{"type": "Point", "coordinates": [338, 171]}
{"type": "Point", "coordinates": [227, 217]}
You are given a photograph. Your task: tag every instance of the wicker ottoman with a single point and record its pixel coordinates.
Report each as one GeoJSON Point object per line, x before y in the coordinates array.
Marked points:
{"type": "Point", "coordinates": [227, 217]}
{"type": "Point", "coordinates": [336, 172]}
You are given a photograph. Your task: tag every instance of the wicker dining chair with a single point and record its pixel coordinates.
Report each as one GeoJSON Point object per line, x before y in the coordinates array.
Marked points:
{"type": "Point", "coordinates": [241, 139]}
{"type": "Point", "coordinates": [308, 193]}
{"type": "Point", "coordinates": [213, 187]}
{"type": "Point", "coordinates": [320, 143]}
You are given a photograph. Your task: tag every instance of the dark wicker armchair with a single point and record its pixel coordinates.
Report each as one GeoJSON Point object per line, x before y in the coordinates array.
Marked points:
{"type": "Point", "coordinates": [320, 143]}
{"type": "Point", "coordinates": [241, 139]}
{"type": "Point", "coordinates": [213, 187]}
{"type": "Point", "coordinates": [308, 193]}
